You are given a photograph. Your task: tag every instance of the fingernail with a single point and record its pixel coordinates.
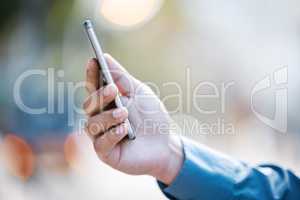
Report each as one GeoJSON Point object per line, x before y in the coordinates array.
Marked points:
{"type": "Point", "coordinates": [119, 113]}
{"type": "Point", "coordinates": [120, 130]}
{"type": "Point", "coordinates": [108, 90]}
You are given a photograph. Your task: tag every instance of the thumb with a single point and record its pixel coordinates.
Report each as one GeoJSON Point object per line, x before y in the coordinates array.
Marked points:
{"type": "Point", "coordinates": [125, 82]}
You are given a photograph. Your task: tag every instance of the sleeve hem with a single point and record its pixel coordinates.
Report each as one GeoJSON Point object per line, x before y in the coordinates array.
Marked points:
{"type": "Point", "coordinates": [198, 177]}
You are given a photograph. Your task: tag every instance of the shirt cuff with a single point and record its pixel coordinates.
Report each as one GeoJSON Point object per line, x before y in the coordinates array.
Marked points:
{"type": "Point", "coordinates": [205, 174]}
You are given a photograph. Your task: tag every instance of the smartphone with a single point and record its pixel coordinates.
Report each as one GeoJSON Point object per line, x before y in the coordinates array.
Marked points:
{"type": "Point", "coordinates": [88, 26]}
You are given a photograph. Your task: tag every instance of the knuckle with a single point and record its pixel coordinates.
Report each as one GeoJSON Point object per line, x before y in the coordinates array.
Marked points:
{"type": "Point", "coordinates": [91, 63]}
{"type": "Point", "coordinates": [98, 146]}
{"type": "Point", "coordinates": [91, 104]}
{"type": "Point", "coordinates": [110, 138]}
{"type": "Point", "coordinates": [86, 130]}
{"type": "Point", "coordinates": [102, 146]}
{"type": "Point", "coordinates": [90, 86]}
{"type": "Point", "coordinates": [94, 128]}
{"type": "Point", "coordinates": [86, 104]}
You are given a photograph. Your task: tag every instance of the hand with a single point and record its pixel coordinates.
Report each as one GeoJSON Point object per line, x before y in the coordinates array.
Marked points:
{"type": "Point", "coordinates": [155, 151]}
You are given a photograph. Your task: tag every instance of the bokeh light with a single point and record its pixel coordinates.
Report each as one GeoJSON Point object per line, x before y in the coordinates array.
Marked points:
{"type": "Point", "coordinates": [129, 12]}
{"type": "Point", "coordinates": [71, 150]}
{"type": "Point", "coordinates": [19, 157]}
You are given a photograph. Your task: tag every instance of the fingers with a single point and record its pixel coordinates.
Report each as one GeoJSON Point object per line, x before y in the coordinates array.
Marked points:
{"type": "Point", "coordinates": [106, 120]}
{"type": "Point", "coordinates": [124, 81]}
{"type": "Point", "coordinates": [92, 76]}
{"type": "Point", "coordinates": [99, 99]}
{"type": "Point", "coordinates": [105, 143]}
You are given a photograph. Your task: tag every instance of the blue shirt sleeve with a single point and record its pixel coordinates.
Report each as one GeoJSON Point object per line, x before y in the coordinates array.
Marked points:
{"type": "Point", "coordinates": [209, 175]}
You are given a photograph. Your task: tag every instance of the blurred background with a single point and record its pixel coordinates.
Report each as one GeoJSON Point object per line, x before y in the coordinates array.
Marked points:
{"type": "Point", "coordinates": [158, 41]}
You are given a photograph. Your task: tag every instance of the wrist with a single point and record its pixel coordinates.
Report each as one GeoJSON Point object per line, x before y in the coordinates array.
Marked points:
{"type": "Point", "coordinates": [171, 162]}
